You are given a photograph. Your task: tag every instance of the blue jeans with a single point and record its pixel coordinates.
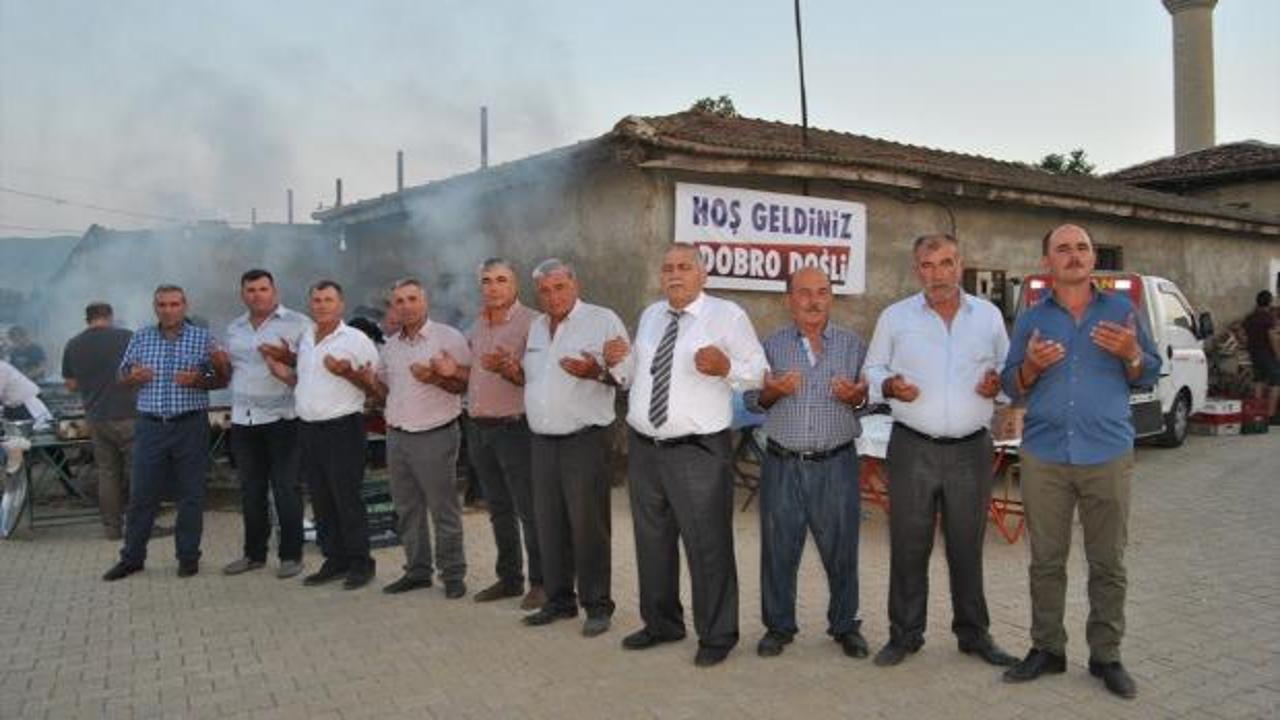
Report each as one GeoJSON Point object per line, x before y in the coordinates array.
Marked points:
{"type": "Point", "coordinates": [167, 454]}
{"type": "Point", "coordinates": [822, 497]}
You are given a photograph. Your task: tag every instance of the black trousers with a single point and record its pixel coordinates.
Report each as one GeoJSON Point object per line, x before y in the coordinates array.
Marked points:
{"type": "Point", "coordinates": [572, 509]}
{"type": "Point", "coordinates": [267, 462]}
{"type": "Point", "coordinates": [928, 478]}
{"type": "Point", "coordinates": [685, 492]}
{"type": "Point", "coordinates": [333, 462]}
{"type": "Point", "coordinates": [500, 459]}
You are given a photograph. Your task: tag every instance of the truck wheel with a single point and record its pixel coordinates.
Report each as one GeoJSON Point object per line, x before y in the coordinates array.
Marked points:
{"type": "Point", "coordinates": [1176, 422]}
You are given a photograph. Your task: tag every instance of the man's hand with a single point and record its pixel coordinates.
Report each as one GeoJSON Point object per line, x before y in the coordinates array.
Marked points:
{"type": "Point", "coordinates": [423, 372]}
{"type": "Point", "coordinates": [585, 367]}
{"type": "Point", "coordinates": [280, 352]}
{"type": "Point", "coordinates": [338, 366]}
{"type": "Point", "coordinates": [848, 391]}
{"type": "Point", "coordinates": [780, 386]}
{"type": "Point", "coordinates": [284, 373]}
{"type": "Point", "coordinates": [1119, 340]}
{"type": "Point", "coordinates": [711, 360]}
{"type": "Point", "coordinates": [899, 388]}
{"type": "Point", "coordinates": [221, 362]}
{"type": "Point", "coordinates": [139, 375]}
{"type": "Point", "coordinates": [188, 378]}
{"type": "Point", "coordinates": [1042, 354]}
{"type": "Point", "coordinates": [616, 350]}
{"type": "Point", "coordinates": [444, 365]}
{"type": "Point", "coordinates": [989, 386]}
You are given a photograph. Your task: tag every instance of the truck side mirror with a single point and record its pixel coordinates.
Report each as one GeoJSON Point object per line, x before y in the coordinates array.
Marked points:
{"type": "Point", "coordinates": [1206, 325]}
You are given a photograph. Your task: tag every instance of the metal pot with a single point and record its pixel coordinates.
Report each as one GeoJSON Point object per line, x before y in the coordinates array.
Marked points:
{"type": "Point", "coordinates": [18, 428]}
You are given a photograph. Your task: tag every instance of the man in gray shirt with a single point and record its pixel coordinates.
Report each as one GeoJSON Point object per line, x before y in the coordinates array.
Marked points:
{"type": "Point", "coordinates": [89, 364]}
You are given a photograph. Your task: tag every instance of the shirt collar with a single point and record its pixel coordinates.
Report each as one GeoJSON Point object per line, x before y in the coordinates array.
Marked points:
{"type": "Point", "coordinates": [277, 313]}
{"type": "Point", "coordinates": [506, 318]}
{"type": "Point", "coordinates": [966, 302]}
{"type": "Point", "coordinates": [827, 330]}
{"type": "Point", "coordinates": [693, 308]}
{"type": "Point", "coordinates": [422, 332]}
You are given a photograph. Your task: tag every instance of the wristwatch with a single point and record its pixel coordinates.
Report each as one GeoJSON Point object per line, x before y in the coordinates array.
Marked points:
{"type": "Point", "coordinates": [1136, 362]}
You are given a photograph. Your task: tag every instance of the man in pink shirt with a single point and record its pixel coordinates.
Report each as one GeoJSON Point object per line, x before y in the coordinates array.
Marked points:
{"type": "Point", "coordinates": [422, 373]}
{"type": "Point", "coordinates": [498, 434]}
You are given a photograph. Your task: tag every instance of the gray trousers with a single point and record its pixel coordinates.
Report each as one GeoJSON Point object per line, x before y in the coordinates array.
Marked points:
{"type": "Point", "coordinates": [113, 459]}
{"type": "Point", "coordinates": [685, 492]}
{"type": "Point", "coordinates": [1051, 493]}
{"type": "Point", "coordinates": [572, 505]}
{"type": "Point", "coordinates": [928, 478]}
{"type": "Point", "coordinates": [423, 467]}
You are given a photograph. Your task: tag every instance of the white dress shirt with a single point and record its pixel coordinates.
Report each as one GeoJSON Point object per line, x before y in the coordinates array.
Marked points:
{"type": "Point", "coordinates": [946, 364]}
{"type": "Point", "coordinates": [556, 402]}
{"type": "Point", "coordinates": [320, 395]}
{"type": "Point", "coordinates": [257, 396]}
{"type": "Point", "coordinates": [697, 404]}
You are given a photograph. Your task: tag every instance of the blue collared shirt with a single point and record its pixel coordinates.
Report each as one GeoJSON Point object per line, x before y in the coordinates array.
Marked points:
{"type": "Point", "coordinates": [1078, 410]}
{"type": "Point", "coordinates": [812, 419]}
{"type": "Point", "coordinates": [189, 351]}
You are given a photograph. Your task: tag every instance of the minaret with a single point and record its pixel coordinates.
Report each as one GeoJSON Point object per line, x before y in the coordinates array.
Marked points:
{"type": "Point", "coordinates": [1192, 73]}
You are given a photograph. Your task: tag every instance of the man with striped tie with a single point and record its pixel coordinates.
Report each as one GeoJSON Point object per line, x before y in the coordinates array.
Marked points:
{"type": "Point", "coordinates": [691, 352]}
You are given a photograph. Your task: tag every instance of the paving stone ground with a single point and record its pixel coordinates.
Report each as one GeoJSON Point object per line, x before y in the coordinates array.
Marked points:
{"type": "Point", "coordinates": [1203, 629]}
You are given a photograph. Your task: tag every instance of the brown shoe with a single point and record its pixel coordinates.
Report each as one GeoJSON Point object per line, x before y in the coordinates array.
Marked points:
{"type": "Point", "coordinates": [498, 591]}
{"type": "Point", "coordinates": [534, 599]}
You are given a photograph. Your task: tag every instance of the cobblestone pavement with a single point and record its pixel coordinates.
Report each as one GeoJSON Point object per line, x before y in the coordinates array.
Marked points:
{"type": "Point", "coordinates": [1203, 637]}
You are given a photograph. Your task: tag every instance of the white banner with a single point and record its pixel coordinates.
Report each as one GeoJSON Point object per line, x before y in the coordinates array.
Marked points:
{"type": "Point", "coordinates": [753, 240]}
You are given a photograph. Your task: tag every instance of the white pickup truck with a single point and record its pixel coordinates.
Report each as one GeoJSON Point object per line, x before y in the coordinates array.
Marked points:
{"type": "Point", "coordinates": [1161, 412]}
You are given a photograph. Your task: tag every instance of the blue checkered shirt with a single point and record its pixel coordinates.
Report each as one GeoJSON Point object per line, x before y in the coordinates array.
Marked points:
{"type": "Point", "coordinates": [189, 351]}
{"type": "Point", "coordinates": [812, 419]}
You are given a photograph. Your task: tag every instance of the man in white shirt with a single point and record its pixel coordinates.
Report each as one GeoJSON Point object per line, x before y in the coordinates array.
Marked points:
{"type": "Point", "coordinates": [335, 371]}
{"type": "Point", "coordinates": [691, 352]}
{"type": "Point", "coordinates": [422, 374]}
{"type": "Point", "coordinates": [265, 436]}
{"type": "Point", "coordinates": [935, 358]}
{"type": "Point", "coordinates": [16, 390]}
{"type": "Point", "coordinates": [568, 397]}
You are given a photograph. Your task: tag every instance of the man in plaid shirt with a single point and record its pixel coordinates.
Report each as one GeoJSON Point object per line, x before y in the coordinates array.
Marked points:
{"type": "Point", "coordinates": [173, 364]}
{"type": "Point", "coordinates": [810, 474]}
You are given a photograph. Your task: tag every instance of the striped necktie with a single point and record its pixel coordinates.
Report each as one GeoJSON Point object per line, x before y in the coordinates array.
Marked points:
{"type": "Point", "coordinates": [661, 371]}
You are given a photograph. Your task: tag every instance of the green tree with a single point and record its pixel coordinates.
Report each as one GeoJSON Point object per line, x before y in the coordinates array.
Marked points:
{"type": "Point", "coordinates": [722, 106]}
{"type": "Point", "coordinates": [1074, 163]}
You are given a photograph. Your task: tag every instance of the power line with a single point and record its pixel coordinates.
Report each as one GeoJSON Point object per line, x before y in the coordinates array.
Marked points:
{"type": "Point", "coordinates": [30, 228]}
{"type": "Point", "coordinates": [91, 206]}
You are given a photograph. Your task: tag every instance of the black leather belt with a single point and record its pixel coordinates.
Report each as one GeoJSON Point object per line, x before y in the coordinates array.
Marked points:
{"type": "Point", "coordinates": [497, 421]}
{"type": "Point", "coordinates": [670, 442]}
{"type": "Point", "coordinates": [809, 455]}
{"type": "Point", "coordinates": [437, 428]}
{"type": "Point", "coordinates": [172, 418]}
{"type": "Point", "coordinates": [574, 434]}
{"type": "Point", "coordinates": [942, 440]}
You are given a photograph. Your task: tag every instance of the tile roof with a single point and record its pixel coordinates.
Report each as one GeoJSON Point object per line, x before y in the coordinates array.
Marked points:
{"type": "Point", "coordinates": [1250, 158]}
{"type": "Point", "coordinates": [706, 134]}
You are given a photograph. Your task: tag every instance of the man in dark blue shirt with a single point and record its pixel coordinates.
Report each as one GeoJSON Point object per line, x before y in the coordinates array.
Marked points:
{"type": "Point", "coordinates": [1073, 358]}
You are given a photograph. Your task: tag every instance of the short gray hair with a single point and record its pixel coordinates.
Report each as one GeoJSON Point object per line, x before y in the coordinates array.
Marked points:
{"type": "Point", "coordinates": [689, 248]}
{"type": "Point", "coordinates": [552, 265]}
{"type": "Point", "coordinates": [409, 282]}
{"type": "Point", "coordinates": [495, 262]}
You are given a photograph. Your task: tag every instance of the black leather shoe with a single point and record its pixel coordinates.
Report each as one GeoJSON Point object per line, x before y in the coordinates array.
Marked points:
{"type": "Point", "coordinates": [121, 570]}
{"type": "Point", "coordinates": [359, 575]}
{"type": "Point", "coordinates": [991, 653]}
{"type": "Point", "coordinates": [642, 639]}
{"type": "Point", "coordinates": [892, 654]}
{"type": "Point", "coordinates": [708, 656]}
{"type": "Point", "coordinates": [853, 644]}
{"type": "Point", "coordinates": [330, 570]}
{"type": "Point", "coordinates": [405, 584]}
{"type": "Point", "coordinates": [548, 615]}
{"type": "Point", "coordinates": [1115, 677]}
{"type": "Point", "coordinates": [187, 568]}
{"type": "Point", "coordinates": [454, 589]}
{"type": "Point", "coordinates": [1036, 663]}
{"type": "Point", "coordinates": [772, 644]}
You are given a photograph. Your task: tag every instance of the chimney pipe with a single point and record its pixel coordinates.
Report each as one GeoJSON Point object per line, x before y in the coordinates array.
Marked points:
{"type": "Point", "coordinates": [484, 137]}
{"type": "Point", "coordinates": [289, 204]}
{"type": "Point", "coordinates": [399, 170]}
{"type": "Point", "coordinates": [1193, 121]}
{"type": "Point", "coordinates": [337, 193]}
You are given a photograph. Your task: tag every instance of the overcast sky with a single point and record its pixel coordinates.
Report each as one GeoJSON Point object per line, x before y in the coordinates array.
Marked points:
{"type": "Point", "coordinates": [204, 110]}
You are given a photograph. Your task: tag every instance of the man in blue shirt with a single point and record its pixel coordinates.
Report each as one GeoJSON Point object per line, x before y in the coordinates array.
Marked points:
{"type": "Point", "coordinates": [173, 364]}
{"type": "Point", "coordinates": [810, 474]}
{"type": "Point", "coordinates": [1073, 358]}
